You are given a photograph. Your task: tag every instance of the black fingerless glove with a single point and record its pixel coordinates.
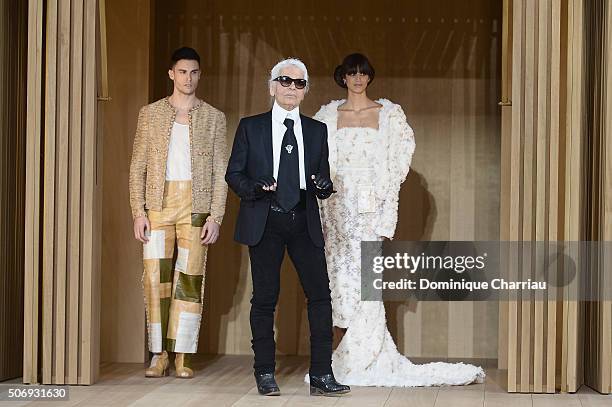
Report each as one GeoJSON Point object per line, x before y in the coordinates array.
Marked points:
{"type": "Point", "coordinates": [324, 186]}
{"type": "Point", "coordinates": [260, 183]}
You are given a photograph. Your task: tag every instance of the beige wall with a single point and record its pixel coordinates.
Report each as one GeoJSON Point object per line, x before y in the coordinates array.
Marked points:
{"type": "Point", "coordinates": [122, 319]}
{"type": "Point", "coordinates": [439, 60]}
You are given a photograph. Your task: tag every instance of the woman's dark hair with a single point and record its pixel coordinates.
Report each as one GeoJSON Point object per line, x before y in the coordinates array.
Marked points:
{"type": "Point", "coordinates": [184, 53]}
{"type": "Point", "coordinates": [351, 65]}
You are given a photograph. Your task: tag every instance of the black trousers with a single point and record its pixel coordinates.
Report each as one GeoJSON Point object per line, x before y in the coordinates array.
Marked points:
{"type": "Point", "coordinates": [289, 230]}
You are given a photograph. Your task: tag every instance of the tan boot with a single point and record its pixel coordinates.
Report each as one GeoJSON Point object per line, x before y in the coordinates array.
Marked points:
{"type": "Point", "coordinates": [159, 365]}
{"type": "Point", "coordinates": [182, 364]}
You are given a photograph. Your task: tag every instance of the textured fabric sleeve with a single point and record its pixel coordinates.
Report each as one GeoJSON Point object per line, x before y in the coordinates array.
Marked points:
{"type": "Point", "coordinates": [326, 114]}
{"type": "Point", "coordinates": [320, 115]}
{"type": "Point", "coordinates": [138, 166]}
{"type": "Point", "coordinates": [219, 187]}
{"type": "Point", "coordinates": [400, 150]}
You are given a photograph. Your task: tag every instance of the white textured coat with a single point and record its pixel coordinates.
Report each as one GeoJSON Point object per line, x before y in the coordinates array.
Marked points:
{"type": "Point", "coordinates": [368, 167]}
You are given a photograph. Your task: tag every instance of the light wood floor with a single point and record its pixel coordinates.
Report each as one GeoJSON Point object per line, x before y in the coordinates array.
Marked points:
{"type": "Point", "coordinates": [228, 381]}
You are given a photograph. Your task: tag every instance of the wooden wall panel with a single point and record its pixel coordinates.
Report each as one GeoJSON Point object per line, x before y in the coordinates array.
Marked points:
{"type": "Point", "coordinates": [604, 383]}
{"type": "Point", "coordinates": [68, 259]}
{"type": "Point", "coordinates": [441, 63]}
{"type": "Point", "coordinates": [13, 60]}
{"type": "Point", "coordinates": [598, 210]}
{"type": "Point", "coordinates": [122, 338]}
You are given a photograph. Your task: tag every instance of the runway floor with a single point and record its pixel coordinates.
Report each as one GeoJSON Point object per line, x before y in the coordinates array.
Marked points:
{"type": "Point", "coordinates": [228, 381]}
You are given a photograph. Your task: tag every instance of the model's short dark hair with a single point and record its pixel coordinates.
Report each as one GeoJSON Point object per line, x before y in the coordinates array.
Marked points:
{"type": "Point", "coordinates": [351, 65]}
{"type": "Point", "coordinates": [184, 53]}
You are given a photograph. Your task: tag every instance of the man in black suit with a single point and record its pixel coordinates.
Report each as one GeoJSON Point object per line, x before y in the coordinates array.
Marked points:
{"type": "Point", "coordinates": [278, 168]}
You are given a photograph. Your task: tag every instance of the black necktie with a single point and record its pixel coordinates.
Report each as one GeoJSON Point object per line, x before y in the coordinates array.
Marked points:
{"type": "Point", "coordinates": [288, 188]}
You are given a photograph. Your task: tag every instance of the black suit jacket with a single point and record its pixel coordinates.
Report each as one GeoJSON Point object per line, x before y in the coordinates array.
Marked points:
{"type": "Point", "coordinates": [251, 158]}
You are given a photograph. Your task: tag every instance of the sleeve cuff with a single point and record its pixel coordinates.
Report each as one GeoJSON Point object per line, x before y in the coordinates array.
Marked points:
{"type": "Point", "coordinates": [216, 219]}
{"type": "Point", "coordinates": [138, 213]}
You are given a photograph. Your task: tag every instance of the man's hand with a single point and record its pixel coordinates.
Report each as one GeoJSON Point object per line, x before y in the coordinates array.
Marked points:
{"type": "Point", "coordinates": [210, 232]}
{"type": "Point", "coordinates": [266, 183]}
{"type": "Point", "coordinates": [323, 186]}
{"type": "Point", "coordinates": [141, 226]}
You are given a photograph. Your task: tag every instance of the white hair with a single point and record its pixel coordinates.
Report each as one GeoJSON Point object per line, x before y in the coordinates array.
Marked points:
{"type": "Point", "coordinates": [275, 72]}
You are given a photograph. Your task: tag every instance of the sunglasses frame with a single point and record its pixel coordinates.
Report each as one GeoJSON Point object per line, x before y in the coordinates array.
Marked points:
{"type": "Point", "coordinates": [290, 80]}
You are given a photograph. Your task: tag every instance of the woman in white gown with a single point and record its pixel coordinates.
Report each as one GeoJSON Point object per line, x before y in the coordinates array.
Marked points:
{"type": "Point", "coordinates": [370, 151]}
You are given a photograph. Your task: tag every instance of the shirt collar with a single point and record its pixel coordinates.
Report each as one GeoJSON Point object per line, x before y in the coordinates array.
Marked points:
{"type": "Point", "coordinates": [279, 114]}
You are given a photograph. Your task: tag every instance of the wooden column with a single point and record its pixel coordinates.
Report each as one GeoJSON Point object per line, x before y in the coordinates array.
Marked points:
{"type": "Point", "coordinates": [557, 184]}
{"type": "Point", "coordinates": [539, 195]}
{"type": "Point", "coordinates": [62, 195]}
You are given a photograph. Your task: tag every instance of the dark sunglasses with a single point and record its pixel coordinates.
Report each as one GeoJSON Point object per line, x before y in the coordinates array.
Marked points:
{"type": "Point", "coordinates": [286, 81]}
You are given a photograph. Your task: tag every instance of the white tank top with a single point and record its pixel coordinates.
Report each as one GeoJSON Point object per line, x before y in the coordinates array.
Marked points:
{"type": "Point", "coordinates": [178, 165]}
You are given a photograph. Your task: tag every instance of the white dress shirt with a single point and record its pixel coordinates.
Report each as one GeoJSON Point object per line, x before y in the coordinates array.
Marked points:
{"type": "Point", "coordinates": [178, 166]}
{"type": "Point", "coordinates": [278, 132]}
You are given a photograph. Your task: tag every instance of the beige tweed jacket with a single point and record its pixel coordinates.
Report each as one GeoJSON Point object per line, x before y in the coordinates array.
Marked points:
{"type": "Point", "coordinates": [207, 128]}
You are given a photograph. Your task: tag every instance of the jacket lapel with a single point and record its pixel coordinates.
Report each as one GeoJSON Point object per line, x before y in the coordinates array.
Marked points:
{"type": "Point", "coordinates": [266, 132]}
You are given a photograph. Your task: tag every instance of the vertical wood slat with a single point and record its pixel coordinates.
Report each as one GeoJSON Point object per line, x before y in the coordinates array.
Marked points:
{"type": "Point", "coordinates": [606, 325]}
{"type": "Point", "coordinates": [90, 283]}
{"type": "Point", "coordinates": [3, 162]}
{"type": "Point", "coordinates": [32, 202]}
{"type": "Point", "coordinates": [573, 152]}
{"type": "Point", "coordinates": [4, 286]}
{"type": "Point", "coordinates": [515, 184]}
{"type": "Point", "coordinates": [506, 87]}
{"type": "Point", "coordinates": [22, 102]}
{"type": "Point", "coordinates": [21, 119]}
{"type": "Point", "coordinates": [103, 94]}
{"type": "Point", "coordinates": [556, 96]}
{"type": "Point", "coordinates": [506, 165]}
{"type": "Point", "coordinates": [541, 181]}
{"type": "Point", "coordinates": [74, 206]}
{"type": "Point", "coordinates": [591, 106]}
{"type": "Point", "coordinates": [528, 180]}
{"type": "Point", "coordinates": [606, 338]}
{"type": "Point", "coordinates": [61, 188]}
{"type": "Point", "coordinates": [49, 191]}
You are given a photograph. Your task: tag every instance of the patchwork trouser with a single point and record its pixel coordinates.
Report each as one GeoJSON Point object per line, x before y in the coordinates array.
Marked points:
{"type": "Point", "coordinates": [173, 283]}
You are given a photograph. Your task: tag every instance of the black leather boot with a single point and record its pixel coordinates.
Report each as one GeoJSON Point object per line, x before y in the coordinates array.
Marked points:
{"type": "Point", "coordinates": [266, 384]}
{"type": "Point", "coordinates": [326, 385]}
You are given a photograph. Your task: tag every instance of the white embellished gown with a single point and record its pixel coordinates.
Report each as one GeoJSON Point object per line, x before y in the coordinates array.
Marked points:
{"type": "Point", "coordinates": [367, 167]}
